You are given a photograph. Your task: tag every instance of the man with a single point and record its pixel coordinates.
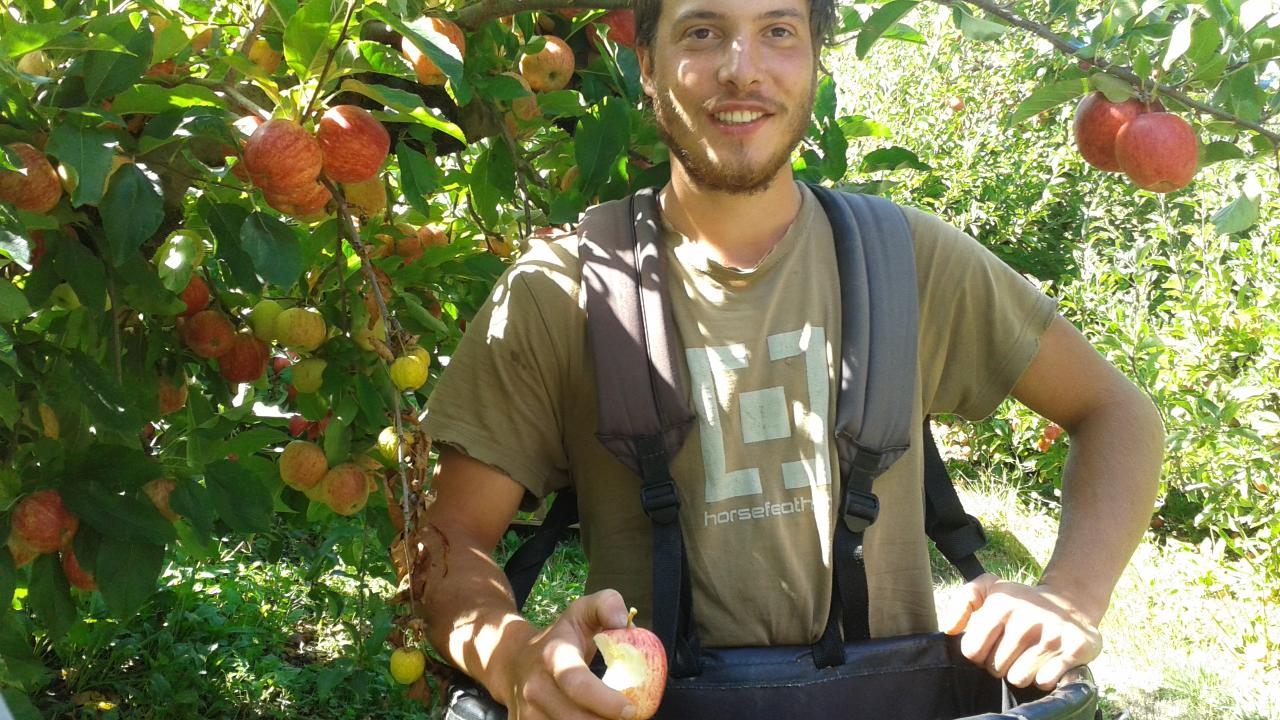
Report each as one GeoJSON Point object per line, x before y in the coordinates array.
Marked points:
{"type": "Point", "coordinates": [755, 298]}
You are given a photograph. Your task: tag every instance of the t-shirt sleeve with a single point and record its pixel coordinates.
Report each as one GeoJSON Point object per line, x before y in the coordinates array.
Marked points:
{"type": "Point", "coordinates": [499, 398]}
{"type": "Point", "coordinates": [980, 321]}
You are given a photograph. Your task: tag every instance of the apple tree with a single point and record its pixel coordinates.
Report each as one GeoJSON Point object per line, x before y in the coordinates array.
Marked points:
{"type": "Point", "coordinates": [236, 240]}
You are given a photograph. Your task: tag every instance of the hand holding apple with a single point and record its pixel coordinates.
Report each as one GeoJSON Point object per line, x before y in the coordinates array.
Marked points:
{"type": "Point", "coordinates": [543, 673]}
{"type": "Point", "coordinates": [637, 665]}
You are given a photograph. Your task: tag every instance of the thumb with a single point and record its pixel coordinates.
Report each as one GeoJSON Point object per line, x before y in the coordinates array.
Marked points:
{"type": "Point", "coordinates": [966, 602]}
{"type": "Point", "coordinates": [603, 610]}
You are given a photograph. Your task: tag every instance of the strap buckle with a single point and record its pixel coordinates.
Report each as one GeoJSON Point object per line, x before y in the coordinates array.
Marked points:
{"type": "Point", "coordinates": [860, 510]}
{"type": "Point", "coordinates": [660, 501]}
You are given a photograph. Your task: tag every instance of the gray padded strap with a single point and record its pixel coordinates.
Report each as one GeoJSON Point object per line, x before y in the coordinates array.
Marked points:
{"type": "Point", "coordinates": [631, 329]}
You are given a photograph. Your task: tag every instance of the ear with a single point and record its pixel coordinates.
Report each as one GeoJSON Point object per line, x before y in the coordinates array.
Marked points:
{"type": "Point", "coordinates": [645, 55]}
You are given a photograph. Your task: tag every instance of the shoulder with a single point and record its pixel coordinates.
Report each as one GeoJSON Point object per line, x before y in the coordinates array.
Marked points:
{"type": "Point", "coordinates": [548, 271]}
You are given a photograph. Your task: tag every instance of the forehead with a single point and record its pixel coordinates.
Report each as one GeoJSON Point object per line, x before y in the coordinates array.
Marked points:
{"type": "Point", "coordinates": [677, 11]}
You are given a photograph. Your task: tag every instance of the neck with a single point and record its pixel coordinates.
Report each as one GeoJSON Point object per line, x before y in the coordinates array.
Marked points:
{"type": "Point", "coordinates": [737, 231]}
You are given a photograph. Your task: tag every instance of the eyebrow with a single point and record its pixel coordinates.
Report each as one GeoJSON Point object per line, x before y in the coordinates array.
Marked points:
{"type": "Point", "coordinates": [713, 15]}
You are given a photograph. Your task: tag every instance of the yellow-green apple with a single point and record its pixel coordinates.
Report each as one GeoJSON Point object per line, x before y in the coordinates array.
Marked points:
{"type": "Point", "coordinates": [301, 329]}
{"type": "Point", "coordinates": [409, 372]}
{"type": "Point", "coordinates": [345, 489]}
{"type": "Point", "coordinates": [37, 189]}
{"type": "Point", "coordinates": [264, 56]}
{"type": "Point", "coordinates": [407, 665]}
{"type": "Point", "coordinates": [443, 34]}
{"type": "Point", "coordinates": [550, 68]}
{"type": "Point", "coordinates": [36, 63]}
{"type": "Point", "coordinates": [302, 464]}
{"type": "Point", "coordinates": [636, 665]}
{"type": "Point", "coordinates": [367, 198]}
{"type": "Point", "coordinates": [308, 374]}
{"type": "Point", "coordinates": [1097, 122]}
{"type": "Point", "coordinates": [353, 142]}
{"type": "Point", "coordinates": [1158, 151]}
{"type": "Point", "coordinates": [262, 319]}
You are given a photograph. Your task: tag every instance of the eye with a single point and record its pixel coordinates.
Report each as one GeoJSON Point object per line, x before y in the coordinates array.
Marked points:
{"type": "Point", "coordinates": [780, 32]}
{"type": "Point", "coordinates": [700, 33]}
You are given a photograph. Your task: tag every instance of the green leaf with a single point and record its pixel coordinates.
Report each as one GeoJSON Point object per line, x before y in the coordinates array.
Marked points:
{"type": "Point", "coordinates": [372, 405]}
{"type": "Point", "coordinates": [1220, 150]}
{"type": "Point", "coordinates": [131, 212]}
{"type": "Point", "coordinates": [975, 28]}
{"type": "Point", "coordinates": [408, 104]}
{"type": "Point", "coordinates": [127, 573]}
{"type": "Point", "coordinates": [1179, 42]}
{"type": "Point", "coordinates": [1116, 90]}
{"type": "Point", "coordinates": [562, 103]}
{"type": "Point", "coordinates": [120, 515]}
{"type": "Point", "coordinates": [21, 666]}
{"type": "Point", "coordinates": [8, 579]}
{"type": "Point", "coordinates": [50, 596]}
{"type": "Point", "coordinates": [13, 304]}
{"type": "Point", "coordinates": [252, 440]}
{"type": "Point", "coordinates": [1048, 96]}
{"type": "Point", "coordinates": [7, 354]}
{"type": "Point", "coordinates": [191, 500]}
{"type": "Point", "coordinates": [824, 101]}
{"type": "Point", "coordinates": [892, 158]}
{"type": "Point", "coordinates": [384, 59]}
{"type": "Point", "coordinates": [21, 39]}
{"type": "Point", "coordinates": [87, 152]}
{"type": "Point", "coordinates": [601, 137]}
{"type": "Point", "coordinates": [83, 270]}
{"type": "Point", "coordinates": [493, 180]}
{"type": "Point", "coordinates": [1209, 71]}
{"type": "Point", "coordinates": [274, 248]}
{"type": "Point", "coordinates": [417, 177]}
{"type": "Point", "coordinates": [9, 412]}
{"type": "Point", "coordinates": [337, 442]}
{"type": "Point", "coordinates": [225, 221]}
{"type": "Point", "coordinates": [1239, 216]}
{"type": "Point", "coordinates": [308, 37]}
{"type": "Point", "coordinates": [107, 401]}
{"type": "Point", "coordinates": [239, 497]}
{"type": "Point", "coordinates": [880, 21]}
{"type": "Point", "coordinates": [107, 73]}
{"type": "Point", "coordinates": [856, 126]}
{"type": "Point", "coordinates": [19, 704]}
{"type": "Point", "coordinates": [1206, 37]}
{"type": "Point", "coordinates": [154, 99]}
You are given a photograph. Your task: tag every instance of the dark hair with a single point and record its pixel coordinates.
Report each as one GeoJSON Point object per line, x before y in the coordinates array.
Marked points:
{"type": "Point", "coordinates": [822, 21]}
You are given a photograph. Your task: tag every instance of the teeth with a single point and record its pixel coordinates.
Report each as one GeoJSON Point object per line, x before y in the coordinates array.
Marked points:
{"type": "Point", "coordinates": [739, 117]}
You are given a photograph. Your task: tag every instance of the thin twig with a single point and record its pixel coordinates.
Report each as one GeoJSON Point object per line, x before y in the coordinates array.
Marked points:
{"type": "Point", "coordinates": [1119, 71]}
{"type": "Point", "coordinates": [472, 15]}
{"type": "Point", "coordinates": [226, 87]}
{"type": "Point", "coordinates": [353, 237]}
{"type": "Point", "coordinates": [328, 61]}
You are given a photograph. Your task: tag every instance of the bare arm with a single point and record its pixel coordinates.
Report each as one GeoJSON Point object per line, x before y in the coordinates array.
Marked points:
{"type": "Point", "coordinates": [1109, 486]}
{"type": "Point", "coordinates": [470, 609]}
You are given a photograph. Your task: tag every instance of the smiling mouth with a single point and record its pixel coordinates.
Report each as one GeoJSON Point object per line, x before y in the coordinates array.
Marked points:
{"type": "Point", "coordinates": [738, 117]}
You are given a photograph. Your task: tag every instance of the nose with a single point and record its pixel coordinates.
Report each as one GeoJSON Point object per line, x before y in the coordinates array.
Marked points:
{"type": "Point", "coordinates": [739, 66]}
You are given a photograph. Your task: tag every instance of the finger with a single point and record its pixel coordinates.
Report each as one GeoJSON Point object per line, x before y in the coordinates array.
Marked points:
{"type": "Point", "coordinates": [584, 691]}
{"type": "Point", "coordinates": [984, 630]}
{"type": "Point", "coordinates": [1024, 670]}
{"type": "Point", "coordinates": [970, 598]}
{"type": "Point", "coordinates": [1015, 642]}
{"type": "Point", "coordinates": [1052, 670]}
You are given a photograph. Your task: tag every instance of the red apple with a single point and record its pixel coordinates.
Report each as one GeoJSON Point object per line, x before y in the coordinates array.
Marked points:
{"type": "Point", "coordinates": [1098, 121]}
{"type": "Point", "coordinates": [442, 33]}
{"type": "Point", "coordinates": [1158, 151]}
{"type": "Point", "coordinates": [354, 143]}
{"type": "Point", "coordinates": [637, 665]}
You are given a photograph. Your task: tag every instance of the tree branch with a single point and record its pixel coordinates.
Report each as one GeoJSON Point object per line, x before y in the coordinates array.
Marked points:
{"type": "Point", "coordinates": [472, 15]}
{"type": "Point", "coordinates": [328, 61]}
{"type": "Point", "coordinates": [1119, 71]}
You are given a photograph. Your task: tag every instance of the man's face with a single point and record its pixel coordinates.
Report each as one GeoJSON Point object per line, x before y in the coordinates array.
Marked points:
{"type": "Point", "coordinates": [732, 85]}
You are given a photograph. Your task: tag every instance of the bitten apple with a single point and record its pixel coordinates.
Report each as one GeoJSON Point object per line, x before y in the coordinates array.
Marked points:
{"type": "Point", "coordinates": [637, 665]}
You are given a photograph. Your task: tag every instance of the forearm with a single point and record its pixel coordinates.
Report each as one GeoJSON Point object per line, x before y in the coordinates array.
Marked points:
{"type": "Point", "coordinates": [469, 609]}
{"type": "Point", "coordinates": [1109, 486]}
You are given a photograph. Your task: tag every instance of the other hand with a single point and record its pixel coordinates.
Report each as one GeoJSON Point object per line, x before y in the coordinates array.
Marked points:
{"type": "Point", "coordinates": [1021, 633]}
{"type": "Point", "coordinates": [548, 677]}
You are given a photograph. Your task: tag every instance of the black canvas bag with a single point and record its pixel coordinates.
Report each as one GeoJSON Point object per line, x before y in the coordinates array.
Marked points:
{"type": "Point", "coordinates": [643, 420]}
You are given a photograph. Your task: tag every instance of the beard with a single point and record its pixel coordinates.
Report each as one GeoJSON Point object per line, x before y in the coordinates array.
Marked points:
{"type": "Point", "coordinates": [733, 175]}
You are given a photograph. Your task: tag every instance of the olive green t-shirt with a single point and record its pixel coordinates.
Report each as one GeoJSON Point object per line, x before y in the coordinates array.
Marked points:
{"type": "Point", "coordinates": [755, 475]}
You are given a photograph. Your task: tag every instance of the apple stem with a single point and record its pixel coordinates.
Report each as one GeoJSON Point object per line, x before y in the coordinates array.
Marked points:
{"type": "Point", "coordinates": [631, 618]}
